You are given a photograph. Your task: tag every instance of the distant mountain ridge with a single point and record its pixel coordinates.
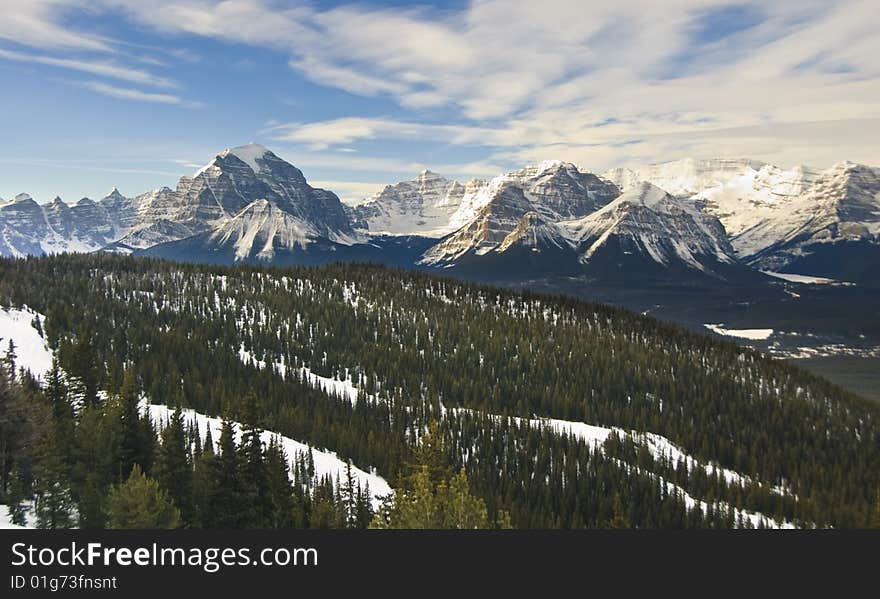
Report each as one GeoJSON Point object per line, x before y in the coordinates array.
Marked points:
{"type": "Point", "coordinates": [685, 218]}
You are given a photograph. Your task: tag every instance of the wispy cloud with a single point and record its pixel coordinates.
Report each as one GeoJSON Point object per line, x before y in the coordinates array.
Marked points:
{"type": "Point", "coordinates": [102, 68]}
{"type": "Point", "coordinates": [39, 23]}
{"type": "Point", "coordinates": [621, 81]}
{"type": "Point", "coordinates": [125, 93]}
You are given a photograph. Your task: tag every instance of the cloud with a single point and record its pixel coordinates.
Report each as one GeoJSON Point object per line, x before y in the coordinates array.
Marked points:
{"type": "Point", "coordinates": [37, 23]}
{"type": "Point", "coordinates": [104, 69]}
{"type": "Point", "coordinates": [323, 134]}
{"type": "Point", "coordinates": [124, 93]}
{"type": "Point", "coordinates": [617, 81]}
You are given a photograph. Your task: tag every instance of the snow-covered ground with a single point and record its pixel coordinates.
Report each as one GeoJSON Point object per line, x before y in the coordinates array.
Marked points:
{"type": "Point", "coordinates": [331, 386]}
{"type": "Point", "coordinates": [805, 279]}
{"type": "Point", "coordinates": [6, 518]}
{"type": "Point", "coordinates": [753, 334]}
{"type": "Point", "coordinates": [326, 462]}
{"type": "Point", "coordinates": [31, 350]}
{"type": "Point", "coordinates": [661, 448]}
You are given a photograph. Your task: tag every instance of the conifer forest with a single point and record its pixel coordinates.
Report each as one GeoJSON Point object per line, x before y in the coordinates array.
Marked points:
{"type": "Point", "coordinates": [464, 405]}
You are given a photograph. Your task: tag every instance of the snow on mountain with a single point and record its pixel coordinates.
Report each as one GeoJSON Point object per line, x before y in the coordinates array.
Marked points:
{"type": "Point", "coordinates": [423, 206]}
{"type": "Point", "coordinates": [494, 215]}
{"type": "Point", "coordinates": [560, 191]}
{"type": "Point", "coordinates": [684, 177]}
{"type": "Point", "coordinates": [777, 218]}
{"type": "Point", "coordinates": [261, 228]}
{"type": "Point", "coordinates": [31, 348]}
{"type": "Point", "coordinates": [22, 227]}
{"type": "Point", "coordinates": [28, 228]}
{"type": "Point", "coordinates": [148, 235]}
{"type": "Point", "coordinates": [327, 463]}
{"type": "Point", "coordinates": [820, 223]}
{"type": "Point", "coordinates": [840, 206]}
{"type": "Point", "coordinates": [490, 227]}
{"type": "Point", "coordinates": [250, 154]}
{"type": "Point", "coordinates": [647, 222]}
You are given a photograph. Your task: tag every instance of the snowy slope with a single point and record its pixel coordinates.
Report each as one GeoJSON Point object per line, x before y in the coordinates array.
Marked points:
{"type": "Point", "coordinates": [259, 228]}
{"type": "Point", "coordinates": [32, 351]}
{"type": "Point", "coordinates": [493, 218]}
{"type": "Point", "coordinates": [423, 206]}
{"type": "Point", "coordinates": [646, 221]}
{"type": "Point", "coordinates": [773, 216]}
{"type": "Point", "coordinates": [326, 462]}
{"type": "Point", "coordinates": [684, 177]}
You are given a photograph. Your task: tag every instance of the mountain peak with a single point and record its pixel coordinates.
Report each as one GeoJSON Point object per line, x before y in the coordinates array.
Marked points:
{"type": "Point", "coordinates": [248, 154]}
{"type": "Point", "coordinates": [22, 197]}
{"type": "Point", "coordinates": [114, 194]}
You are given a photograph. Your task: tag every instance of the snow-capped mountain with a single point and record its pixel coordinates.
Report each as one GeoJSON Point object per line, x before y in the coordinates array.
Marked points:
{"type": "Point", "coordinates": [27, 228]}
{"type": "Point", "coordinates": [684, 177]}
{"type": "Point", "coordinates": [548, 193]}
{"type": "Point", "coordinates": [833, 223]}
{"type": "Point", "coordinates": [209, 199]}
{"type": "Point", "coordinates": [777, 219]}
{"type": "Point", "coordinates": [702, 216]}
{"type": "Point", "coordinates": [260, 229]}
{"type": "Point", "coordinates": [233, 180]}
{"type": "Point", "coordinates": [648, 226]}
{"type": "Point", "coordinates": [423, 206]}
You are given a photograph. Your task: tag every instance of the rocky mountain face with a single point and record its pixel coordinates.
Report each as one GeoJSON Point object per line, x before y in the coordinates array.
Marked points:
{"type": "Point", "coordinates": [423, 206]}
{"type": "Point", "coordinates": [700, 217]}
{"type": "Point", "coordinates": [801, 219]}
{"type": "Point", "coordinates": [520, 209]}
{"type": "Point", "coordinates": [648, 225]}
{"type": "Point", "coordinates": [214, 196]}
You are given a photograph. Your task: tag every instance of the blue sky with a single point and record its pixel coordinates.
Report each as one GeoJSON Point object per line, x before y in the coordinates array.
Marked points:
{"type": "Point", "coordinates": [134, 94]}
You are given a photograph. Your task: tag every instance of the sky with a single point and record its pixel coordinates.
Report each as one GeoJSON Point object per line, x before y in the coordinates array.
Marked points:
{"type": "Point", "coordinates": [135, 94]}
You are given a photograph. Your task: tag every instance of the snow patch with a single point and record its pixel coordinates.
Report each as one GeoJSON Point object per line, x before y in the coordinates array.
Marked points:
{"type": "Point", "coordinates": [753, 334]}
{"type": "Point", "coordinates": [326, 462]}
{"type": "Point", "coordinates": [31, 350]}
{"type": "Point", "coordinates": [805, 279]}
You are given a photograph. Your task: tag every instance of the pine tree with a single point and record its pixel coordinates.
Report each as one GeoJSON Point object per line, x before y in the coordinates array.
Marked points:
{"type": "Point", "coordinates": [139, 502]}
{"type": "Point", "coordinates": [173, 470]}
{"type": "Point", "coordinates": [9, 359]}
{"type": "Point", "coordinates": [228, 507]}
{"type": "Point", "coordinates": [14, 429]}
{"type": "Point", "coordinates": [137, 436]}
{"type": "Point", "coordinates": [875, 512]}
{"type": "Point", "coordinates": [203, 488]}
{"type": "Point", "coordinates": [460, 508]}
{"type": "Point", "coordinates": [282, 506]}
{"type": "Point", "coordinates": [253, 473]}
{"type": "Point", "coordinates": [618, 518]}
{"type": "Point", "coordinates": [54, 505]}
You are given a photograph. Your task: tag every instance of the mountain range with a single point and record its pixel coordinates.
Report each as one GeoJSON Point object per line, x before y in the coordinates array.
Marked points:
{"type": "Point", "coordinates": [696, 219]}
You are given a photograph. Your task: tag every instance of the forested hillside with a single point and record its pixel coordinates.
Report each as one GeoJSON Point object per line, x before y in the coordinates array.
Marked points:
{"type": "Point", "coordinates": [684, 430]}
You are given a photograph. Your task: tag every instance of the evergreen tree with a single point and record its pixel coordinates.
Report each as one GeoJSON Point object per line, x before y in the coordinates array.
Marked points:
{"type": "Point", "coordinates": [282, 506]}
{"type": "Point", "coordinates": [255, 502]}
{"type": "Point", "coordinates": [228, 504]}
{"type": "Point", "coordinates": [618, 518]}
{"type": "Point", "coordinates": [875, 512]}
{"type": "Point", "coordinates": [173, 470]}
{"type": "Point", "coordinates": [139, 502]}
{"type": "Point", "coordinates": [137, 436]}
{"type": "Point", "coordinates": [13, 426]}
{"type": "Point", "coordinates": [9, 358]}
{"type": "Point", "coordinates": [54, 505]}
